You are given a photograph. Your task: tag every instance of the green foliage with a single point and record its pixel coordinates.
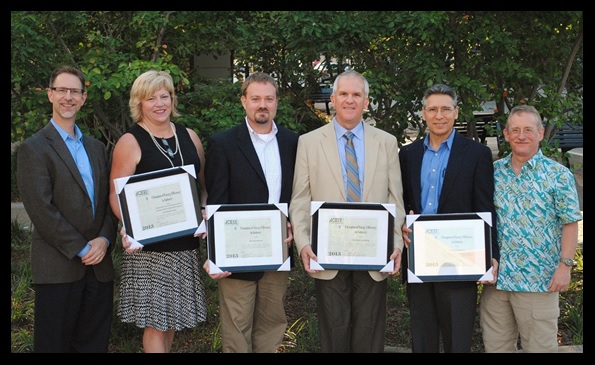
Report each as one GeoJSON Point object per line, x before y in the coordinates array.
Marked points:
{"type": "Point", "coordinates": [571, 307]}
{"type": "Point", "coordinates": [21, 340]}
{"type": "Point", "coordinates": [291, 341]}
{"type": "Point", "coordinates": [502, 56]}
{"type": "Point", "coordinates": [201, 108]}
{"type": "Point", "coordinates": [217, 345]}
{"type": "Point", "coordinates": [22, 296]}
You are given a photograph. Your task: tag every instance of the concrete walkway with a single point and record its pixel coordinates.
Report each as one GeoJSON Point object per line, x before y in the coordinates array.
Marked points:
{"type": "Point", "coordinates": [17, 211]}
{"type": "Point", "coordinates": [561, 349]}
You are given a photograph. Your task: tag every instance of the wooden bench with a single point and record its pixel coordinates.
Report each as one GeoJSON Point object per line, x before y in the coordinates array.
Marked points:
{"type": "Point", "coordinates": [567, 137]}
{"type": "Point", "coordinates": [323, 97]}
{"type": "Point", "coordinates": [481, 121]}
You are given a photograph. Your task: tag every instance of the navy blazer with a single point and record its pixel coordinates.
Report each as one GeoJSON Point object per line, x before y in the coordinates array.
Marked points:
{"type": "Point", "coordinates": [57, 202]}
{"type": "Point", "coordinates": [233, 174]}
{"type": "Point", "coordinates": [468, 182]}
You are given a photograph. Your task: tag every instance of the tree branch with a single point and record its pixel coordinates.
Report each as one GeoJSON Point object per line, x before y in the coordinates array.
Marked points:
{"type": "Point", "coordinates": [160, 36]}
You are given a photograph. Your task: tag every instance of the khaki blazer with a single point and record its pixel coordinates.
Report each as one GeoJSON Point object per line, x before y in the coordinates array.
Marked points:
{"type": "Point", "coordinates": [318, 177]}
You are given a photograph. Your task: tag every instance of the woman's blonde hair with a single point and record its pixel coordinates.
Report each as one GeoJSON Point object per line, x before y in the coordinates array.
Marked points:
{"type": "Point", "coordinates": [145, 86]}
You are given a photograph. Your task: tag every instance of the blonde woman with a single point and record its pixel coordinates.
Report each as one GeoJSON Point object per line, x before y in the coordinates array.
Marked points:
{"type": "Point", "coordinates": [162, 287]}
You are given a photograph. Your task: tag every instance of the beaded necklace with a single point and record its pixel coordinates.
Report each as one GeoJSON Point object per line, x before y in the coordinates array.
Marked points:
{"type": "Point", "coordinates": [167, 153]}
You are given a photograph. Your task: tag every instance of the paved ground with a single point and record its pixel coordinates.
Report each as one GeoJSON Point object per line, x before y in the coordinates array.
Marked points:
{"type": "Point", "coordinates": [561, 349]}
{"type": "Point", "coordinates": [18, 212]}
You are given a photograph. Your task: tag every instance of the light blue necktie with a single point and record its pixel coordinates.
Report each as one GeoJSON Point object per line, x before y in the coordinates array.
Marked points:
{"type": "Point", "coordinates": [353, 187]}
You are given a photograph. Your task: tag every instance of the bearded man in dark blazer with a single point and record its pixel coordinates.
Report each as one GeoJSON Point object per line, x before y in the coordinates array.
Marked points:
{"type": "Point", "coordinates": [251, 163]}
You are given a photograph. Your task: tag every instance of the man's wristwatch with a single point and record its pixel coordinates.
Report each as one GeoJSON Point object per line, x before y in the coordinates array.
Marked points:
{"type": "Point", "coordinates": [568, 262]}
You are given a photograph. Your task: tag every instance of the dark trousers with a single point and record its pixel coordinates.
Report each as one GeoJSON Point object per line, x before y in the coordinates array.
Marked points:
{"type": "Point", "coordinates": [446, 309]}
{"type": "Point", "coordinates": [73, 317]}
{"type": "Point", "coordinates": [351, 312]}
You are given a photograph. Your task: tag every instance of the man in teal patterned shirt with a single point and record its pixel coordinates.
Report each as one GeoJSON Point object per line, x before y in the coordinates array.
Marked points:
{"type": "Point", "coordinates": [537, 210]}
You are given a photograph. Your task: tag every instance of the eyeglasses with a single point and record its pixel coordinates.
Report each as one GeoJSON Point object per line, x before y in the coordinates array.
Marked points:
{"type": "Point", "coordinates": [528, 131]}
{"type": "Point", "coordinates": [446, 111]}
{"type": "Point", "coordinates": [63, 90]}
{"type": "Point", "coordinates": [169, 151]}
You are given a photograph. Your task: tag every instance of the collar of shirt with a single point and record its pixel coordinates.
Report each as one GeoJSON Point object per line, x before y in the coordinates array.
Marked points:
{"type": "Point", "coordinates": [358, 130]}
{"type": "Point", "coordinates": [448, 141]}
{"type": "Point", "coordinates": [263, 137]}
{"type": "Point", "coordinates": [531, 163]}
{"type": "Point", "coordinates": [64, 134]}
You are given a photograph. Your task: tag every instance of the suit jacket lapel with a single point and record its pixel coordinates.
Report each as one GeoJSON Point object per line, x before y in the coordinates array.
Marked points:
{"type": "Point", "coordinates": [62, 151]}
{"type": "Point", "coordinates": [417, 154]}
{"type": "Point", "coordinates": [371, 159]}
{"type": "Point", "coordinates": [287, 164]}
{"type": "Point", "coordinates": [247, 149]}
{"type": "Point", "coordinates": [330, 150]}
{"type": "Point", "coordinates": [94, 157]}
{"type": "Point", "coordinates": [455, 162]}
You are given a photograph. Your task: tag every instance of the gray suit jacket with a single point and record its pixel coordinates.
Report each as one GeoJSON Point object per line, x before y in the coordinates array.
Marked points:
{"type": "Point", "coordinates": [318, 177]}
{"type": "Point", "coordinates": [57, 202]}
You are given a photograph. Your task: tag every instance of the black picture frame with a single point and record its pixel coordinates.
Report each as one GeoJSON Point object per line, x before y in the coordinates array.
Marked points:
{"type": "Point", "coordinates": [449, 247]}
{"type": "Point", "coordinates": [247, 237]}
{"type": "Point", "coordinates": [159, 205]}
{"type": "Point", "coordinates": [352, 236]}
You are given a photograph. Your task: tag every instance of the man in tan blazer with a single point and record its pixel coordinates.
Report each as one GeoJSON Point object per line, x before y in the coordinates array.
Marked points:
{"type": "Point", "coordinates": [351, 304]}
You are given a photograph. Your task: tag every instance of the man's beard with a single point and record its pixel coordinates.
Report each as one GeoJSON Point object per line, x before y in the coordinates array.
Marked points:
{"type": "Point", "coordinates": [68, 114]}
{"type": "Point", "coordinates": [262, 120]}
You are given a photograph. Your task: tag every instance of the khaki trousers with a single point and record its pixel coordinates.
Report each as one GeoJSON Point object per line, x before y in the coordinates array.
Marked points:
{"type": "Point", "coordinates": [504, 315]}
{"type": "Point", "coordinates": [252, 313]}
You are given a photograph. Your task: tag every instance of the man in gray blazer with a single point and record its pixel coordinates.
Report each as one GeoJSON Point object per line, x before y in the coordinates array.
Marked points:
{"type": "Point", "coordinates": [63, 179]}
{"type": "Point", "coordinates": [351, 304]}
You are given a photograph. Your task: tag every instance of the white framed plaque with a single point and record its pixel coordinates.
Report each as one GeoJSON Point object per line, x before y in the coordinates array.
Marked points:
{"type": "Point", "coordinates": [159, 205]}
{"type": "Point", "coordinates": [247, 237]}
{"type": "Point", "coordinates": [352, 236]}
{"type": "Point", "coordinates": [449, 247]}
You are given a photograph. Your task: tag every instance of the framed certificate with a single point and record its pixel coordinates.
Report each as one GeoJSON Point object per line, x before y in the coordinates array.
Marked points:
{"type": "Point", "coordinates": [449, 247]}
{"type": "Point", "coordinates": [247, 237]}
{"type": "Point", "coordinates": [159, 205]}
{"type": "Point", "coordinates": [352, 236]}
